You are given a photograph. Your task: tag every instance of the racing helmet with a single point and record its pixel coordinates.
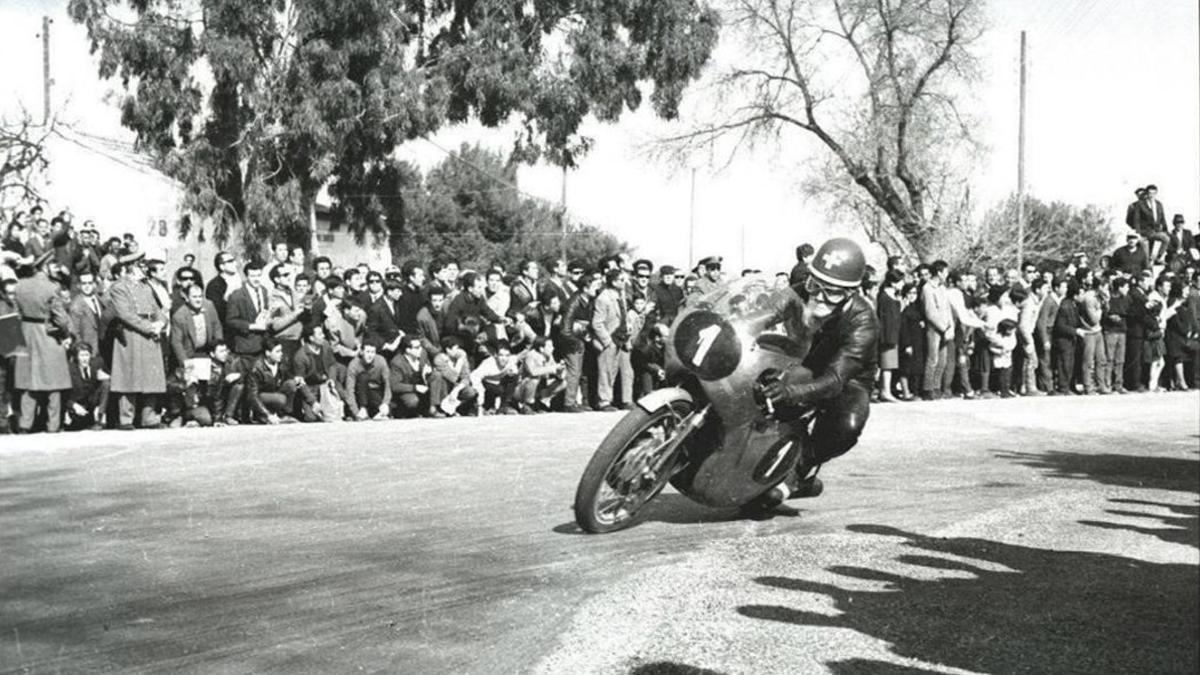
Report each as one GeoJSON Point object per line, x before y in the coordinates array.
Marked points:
{"type": "Point", "coordinates": [839, 262]}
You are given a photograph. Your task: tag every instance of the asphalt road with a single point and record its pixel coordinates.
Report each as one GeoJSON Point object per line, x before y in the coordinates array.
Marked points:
{"type": "Point", "coordinates": [1048, 535]}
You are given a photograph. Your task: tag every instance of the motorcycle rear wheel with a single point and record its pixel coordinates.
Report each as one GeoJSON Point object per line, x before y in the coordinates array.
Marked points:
{"type": "Point", "coordinates": [620, 480]}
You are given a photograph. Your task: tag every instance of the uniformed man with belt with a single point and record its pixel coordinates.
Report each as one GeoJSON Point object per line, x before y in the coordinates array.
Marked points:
{"type": "Point", "coordinates": [138, 375]}
{"type": "Point", "coordinates": [41, 372]}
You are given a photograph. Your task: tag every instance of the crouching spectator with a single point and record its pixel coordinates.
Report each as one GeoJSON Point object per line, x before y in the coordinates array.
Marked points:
{"type": "Point", "coordinates": [270, 390]}
{"type": "Point", "coordinates": [214, 400]}
{"type": "Point", "coordinates": [319, 376]}
{"type": "Point", "coordinates": [88, 399]}
{"type": "Point", "coordinates": [496, 378]}
{"type": "Point", "coordinates": [452, 369]}
{"type": "Point", "coordinates": [195, 328]}
{"type": "Point", "coordinates": [648, 359]}
{"type": "Point", "coordinates": [414, 388]}
{"type": "Point", "coordinates": [543, 378]}
{"type": "Point", "coordinates": [368, 384]}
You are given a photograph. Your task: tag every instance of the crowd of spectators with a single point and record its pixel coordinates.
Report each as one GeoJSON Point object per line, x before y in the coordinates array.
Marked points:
{"type": "Point", "coordinates": [98, 335]}
{"type": "Point", "coordinates": [1129, 323]}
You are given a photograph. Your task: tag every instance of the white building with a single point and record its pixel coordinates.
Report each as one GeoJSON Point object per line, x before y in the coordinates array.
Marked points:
{"type": "Point", "coordinates": [108, 181]}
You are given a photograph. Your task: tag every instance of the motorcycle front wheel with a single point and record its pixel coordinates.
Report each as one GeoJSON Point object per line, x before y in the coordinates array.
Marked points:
{"type": "Point", "coordinates": [630, 468]}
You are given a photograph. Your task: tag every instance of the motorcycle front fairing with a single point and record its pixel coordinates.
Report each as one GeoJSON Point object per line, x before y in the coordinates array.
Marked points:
{"type": "Point", "coordinates": [721, 343]}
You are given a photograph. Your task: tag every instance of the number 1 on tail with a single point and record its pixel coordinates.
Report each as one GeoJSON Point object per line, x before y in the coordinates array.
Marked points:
{"type": "Point", "coordinates": [704, 342]}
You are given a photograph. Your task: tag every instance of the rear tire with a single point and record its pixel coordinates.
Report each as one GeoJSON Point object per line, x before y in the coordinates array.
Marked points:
{"type": "Point", "coordinates": [636, 431]}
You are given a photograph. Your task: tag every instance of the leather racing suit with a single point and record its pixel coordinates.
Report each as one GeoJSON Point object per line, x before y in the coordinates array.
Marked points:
{"type": "Point", "coordinates": [842, 354]}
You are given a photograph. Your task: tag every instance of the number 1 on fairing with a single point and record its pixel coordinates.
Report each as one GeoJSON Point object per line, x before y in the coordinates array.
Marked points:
{"type": "Point", "coordinates": [705, 339]}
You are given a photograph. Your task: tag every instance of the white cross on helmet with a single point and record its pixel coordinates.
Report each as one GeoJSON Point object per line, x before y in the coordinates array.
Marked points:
{"type": "Point", "coordinates": [839, 262]}
{"type": "Point", "coordinates": [834, 258]}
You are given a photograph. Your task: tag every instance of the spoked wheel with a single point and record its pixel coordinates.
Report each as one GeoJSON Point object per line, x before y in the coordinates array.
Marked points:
{"type": "Point", "coordinates": [631, 466]}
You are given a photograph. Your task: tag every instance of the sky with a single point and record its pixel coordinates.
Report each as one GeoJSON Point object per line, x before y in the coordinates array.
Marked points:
{"type": "Point", "coordinates": [1113, 102]}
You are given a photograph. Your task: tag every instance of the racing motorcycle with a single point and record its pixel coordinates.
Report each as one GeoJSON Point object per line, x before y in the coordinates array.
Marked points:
{"type": "Point", "coordinates": [710, 432]}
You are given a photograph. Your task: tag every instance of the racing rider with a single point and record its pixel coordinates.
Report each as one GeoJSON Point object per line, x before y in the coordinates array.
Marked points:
{"type": "Point", "coordinates": [842, 358]}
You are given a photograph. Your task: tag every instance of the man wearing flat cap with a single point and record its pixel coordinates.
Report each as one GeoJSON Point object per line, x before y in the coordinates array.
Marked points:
{"type": "Point", "coordinates": [709, 271]}
{"type": "Point", "coordinates": [41, 372]}
{"type": "Point", "coordinates": [138, 373]}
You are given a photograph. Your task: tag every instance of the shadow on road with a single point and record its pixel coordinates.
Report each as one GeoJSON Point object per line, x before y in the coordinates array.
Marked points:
{"type": "Point", "coordinates": [1182, 526]}
{"type": "Point", "coordinates": [1161, 473]}
{"type": "Point", "coordinates": [677, 509]}
{"type": "Point", "coordinates": [869, 667]}
{"type": "Point", "coordinates": [670, 668]}
{"type": "Point", "coordinates": [1046, 611]}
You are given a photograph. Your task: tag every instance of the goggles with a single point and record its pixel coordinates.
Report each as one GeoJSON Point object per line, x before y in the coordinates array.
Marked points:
{"type": "Point", "coordinates": [833, 295]}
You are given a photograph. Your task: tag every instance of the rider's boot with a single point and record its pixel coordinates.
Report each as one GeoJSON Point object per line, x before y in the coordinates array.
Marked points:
{"type": "Point", "coordinates": [802, 483]}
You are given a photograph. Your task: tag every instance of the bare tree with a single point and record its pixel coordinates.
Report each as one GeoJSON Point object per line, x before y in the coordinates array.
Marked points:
{"type": "Point", "coordinates": [23, 147]}
{"type": "Point", "coordinates": [876, 82]}
{"type": "Point", "coordinates": [1054, 231]}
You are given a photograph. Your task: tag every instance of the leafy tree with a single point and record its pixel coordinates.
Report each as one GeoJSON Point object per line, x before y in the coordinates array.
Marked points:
{"type": "Point", "coordinates": [254, 105]}
{"type": "Point", "coordinates": [470, 208]}
{"type": "Point", "coordinates": [1054, 231]}
{"type": "Point", "coordinates": [876, 83]}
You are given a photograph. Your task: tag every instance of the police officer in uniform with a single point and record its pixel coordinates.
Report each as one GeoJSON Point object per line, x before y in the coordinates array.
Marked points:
{"type": "Point", "coordinates": [843, 332]}
{"type": "Point", "coordinates": [138, 374]}
{"type": "Point", "coordinates": [41, 372]}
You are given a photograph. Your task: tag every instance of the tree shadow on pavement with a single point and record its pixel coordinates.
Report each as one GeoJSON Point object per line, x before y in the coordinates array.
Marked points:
{"type": "Point", "coordinates": [869, 667]}
{"type": "Point", "coordinates": [1182, 526]}
{"type": "Point", "coordinates": [1046, 611]}
{"type": "Point", "coordinates": [1160, 473]}
{"type": "Point", "coordinates": [670, 668]}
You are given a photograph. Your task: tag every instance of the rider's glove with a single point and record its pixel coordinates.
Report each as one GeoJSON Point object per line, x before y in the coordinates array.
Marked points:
{"type": "Point", "coordinates": [788, 389]}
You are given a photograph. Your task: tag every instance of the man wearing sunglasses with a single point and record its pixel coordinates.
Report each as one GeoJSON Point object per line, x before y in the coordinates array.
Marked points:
{"type": "Point", "coordinates": [842, 358]}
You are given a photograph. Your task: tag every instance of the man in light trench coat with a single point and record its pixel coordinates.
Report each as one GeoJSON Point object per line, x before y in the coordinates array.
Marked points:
{"type": "Point", "coordinates": [138, 375]}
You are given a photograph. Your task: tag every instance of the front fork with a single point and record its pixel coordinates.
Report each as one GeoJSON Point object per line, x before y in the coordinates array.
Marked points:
{"type": "Point", "coordinates": [693, 421]}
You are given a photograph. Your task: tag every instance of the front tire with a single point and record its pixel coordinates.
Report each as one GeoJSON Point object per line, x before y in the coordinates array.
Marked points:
{"type": "Point", "coordinates": [620, 478]}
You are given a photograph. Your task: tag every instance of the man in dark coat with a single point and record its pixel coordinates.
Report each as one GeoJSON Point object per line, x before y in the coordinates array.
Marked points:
{"type": "Point", "coordinates": [1044, 334]}
{"type": "Point", "coordinates": [270, 387]}
{"type": "Point", "coordinates": [413, 390]}
{"type": "Point", "coordinates": [1181, 242]}
{"type": "Point", "coordinates": [86, 310]}
{"type": "Point", "coordinates": [1149, 220]}
{"type": "Point", "coordinates": [1066, 321]}
{"type": "Point", "coordinates": [1131, 258]}
{"type": "Point", "coordinates": [383, 319]}
{"type": "Point", "coordinates": [218, 287]}
{"type": "Point", "coordinates": [1135, 333]}
{"type": "Point", "coordinates": [87, 401]}
{"type": "Point", "coordinates": [246, 313]}
{"type": "Point", "coordinates": [138, 373]}
{"type": "Point", "coordinates": [668, 296]}
{"type": "Point", "coordinates": [572, 339]}
{"type": "Point", "coordinates": [41, 372]}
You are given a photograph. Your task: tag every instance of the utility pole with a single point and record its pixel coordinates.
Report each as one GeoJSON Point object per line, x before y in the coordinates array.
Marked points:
{"type": "Point", "coordinates": [745, 265]}
{"type": "Point", "coordinates": [45, 70]}
{"type": "Point", "coordinates": [1021, 165]}
{"type": "Point", "coordinates": [562, 214]}
{"type": "Point", "coordinates": [692, 224]}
